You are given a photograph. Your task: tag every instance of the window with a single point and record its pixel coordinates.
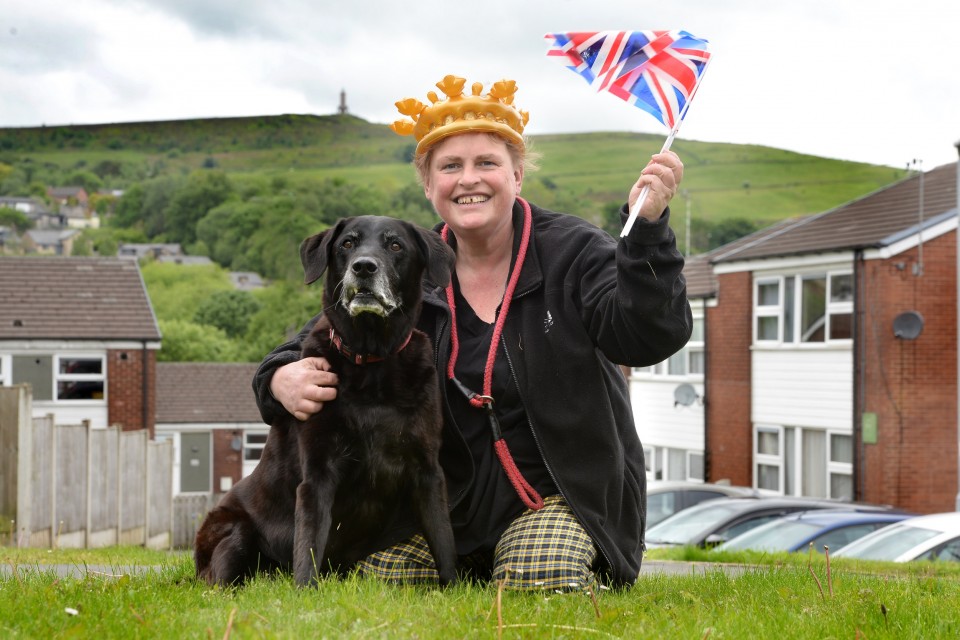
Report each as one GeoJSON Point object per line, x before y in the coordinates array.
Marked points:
{"type": "Point", "coordinates": [808, 308]}
{"type": "Point", "coordinates": [804, 462]}
{"type": "Point", "coordinates": [4, 371]}
{"type": "Point", "coordinates": [768, 310]}
{"type": "Point", "coordinates": [253, 443]}
{"type": "Point", "coordinates": [689, 361]}
{"type": "Point", "coordinates": [79, 378]}
{"type": "Point", "coordinates": [668, 463]}
{"type": "Point", "coordinates": [767, 458]}
{"type": "Point", "coordinates": [694, 465]}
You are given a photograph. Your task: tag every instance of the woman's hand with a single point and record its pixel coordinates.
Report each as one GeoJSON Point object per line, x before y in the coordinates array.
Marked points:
{"type": "Point", "coordinates": [663, 175]}
{"type": "Point", "coordinates": [303, 386]}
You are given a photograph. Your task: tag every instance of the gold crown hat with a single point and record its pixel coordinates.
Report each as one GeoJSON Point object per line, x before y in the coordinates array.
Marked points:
{"type": "Point", "coordinates": [491, 112]}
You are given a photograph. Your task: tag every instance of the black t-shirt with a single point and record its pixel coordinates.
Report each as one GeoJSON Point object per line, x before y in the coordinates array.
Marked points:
{"type": "Point", "coordinates": [492, 503]}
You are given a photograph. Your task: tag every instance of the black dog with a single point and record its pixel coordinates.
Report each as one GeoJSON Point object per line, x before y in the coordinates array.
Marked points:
{"type": "Point", "coordinates": [327, 490]}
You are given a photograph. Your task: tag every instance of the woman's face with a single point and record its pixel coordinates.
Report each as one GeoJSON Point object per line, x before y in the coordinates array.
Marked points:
{"type": "Point", "coordinates": [472, 182]}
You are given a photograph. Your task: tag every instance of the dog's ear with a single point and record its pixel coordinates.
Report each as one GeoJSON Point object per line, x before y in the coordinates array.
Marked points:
{"type": "Point", "coordinates": [315, 253]}
{"type": "Point", "coordinates": [437, 255]}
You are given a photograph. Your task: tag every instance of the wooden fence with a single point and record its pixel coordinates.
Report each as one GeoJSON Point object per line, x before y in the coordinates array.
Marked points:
{"type": "Point", "coordinates": [188, 512]}
{"type": "Point", "coordinates": [74, 486]}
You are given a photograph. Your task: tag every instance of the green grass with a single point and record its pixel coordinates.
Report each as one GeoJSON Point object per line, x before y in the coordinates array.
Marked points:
{"type": "Point", "coordinates": [782, 599]}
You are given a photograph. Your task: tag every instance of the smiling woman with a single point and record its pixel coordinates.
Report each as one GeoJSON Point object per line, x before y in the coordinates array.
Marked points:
{"type": "Point", "coordinates": [541, 456]}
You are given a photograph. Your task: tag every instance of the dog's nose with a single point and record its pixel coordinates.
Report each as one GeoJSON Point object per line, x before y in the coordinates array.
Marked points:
{"type": "Point", "coordinates": [364, 267]}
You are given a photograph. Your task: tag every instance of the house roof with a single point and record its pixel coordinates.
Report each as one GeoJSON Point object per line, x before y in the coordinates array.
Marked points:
{"type": "Point", "coordinates": [206, 392]}
{"type": "Point", "coordinates": [67, 192]}
{"type": "Point", "coordinates": [74, 298]}
{"type": "Point", "coordinates": [873, 221]}
{"type": "Point", "coordinates": [698, 269]}
{"type": "Point", "coordinates": [51, 237]}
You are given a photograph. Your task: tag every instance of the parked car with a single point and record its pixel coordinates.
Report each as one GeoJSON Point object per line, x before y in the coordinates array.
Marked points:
{"type": "Point", "coordinates": [715, 521]}
{"type": "Point", "coordinates": [833, 528]}
{"type": "Point", "coordinates": [666, 497]}
{"type": "Point", "coordinates": [931, 537]}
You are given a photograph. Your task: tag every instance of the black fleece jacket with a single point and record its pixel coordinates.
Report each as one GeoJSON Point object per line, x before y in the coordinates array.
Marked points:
{"type": "Point", "coordinates": [584, 304]}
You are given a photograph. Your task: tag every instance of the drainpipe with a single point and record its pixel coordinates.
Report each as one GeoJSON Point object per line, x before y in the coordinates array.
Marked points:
{"type": "Point", "coordinates": [859, 369]}
{"type": "Point", "coordinates": [957, 235]}
{"type": "Point", "coordinates": [145, 389]}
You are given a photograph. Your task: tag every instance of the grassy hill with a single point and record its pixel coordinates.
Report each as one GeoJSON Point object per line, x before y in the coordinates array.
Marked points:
{"type": "Point", "coordinates": [580, 173]}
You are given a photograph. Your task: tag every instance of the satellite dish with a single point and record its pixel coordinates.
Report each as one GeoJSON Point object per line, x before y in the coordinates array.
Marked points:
{"type": "Point", "coordinates": [908, 325]}
{"type": "Point", "coordinates": [685, 395]}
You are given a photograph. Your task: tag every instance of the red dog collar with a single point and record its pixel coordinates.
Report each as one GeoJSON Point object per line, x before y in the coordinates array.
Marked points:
{"type": "Point", "coordinates": [361, 358]}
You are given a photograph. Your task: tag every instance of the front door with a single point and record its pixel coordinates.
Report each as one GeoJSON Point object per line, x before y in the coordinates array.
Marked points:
{"type": "Point", "coordinates": [195, 462]}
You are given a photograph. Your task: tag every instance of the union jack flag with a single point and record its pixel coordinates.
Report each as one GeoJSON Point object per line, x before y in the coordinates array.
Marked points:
{"type": "Point", "coordinates": [657, 71]}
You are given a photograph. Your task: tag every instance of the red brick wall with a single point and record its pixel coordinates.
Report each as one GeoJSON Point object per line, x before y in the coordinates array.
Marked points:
{"type": "Point", "coordinates": [125, 388]}
{"type": "Point", "coordinates": [729, 334]}
{"type": "Point", "coordinates": [226, 461]}
{"type": "Point", "coordinates": [912, 384]}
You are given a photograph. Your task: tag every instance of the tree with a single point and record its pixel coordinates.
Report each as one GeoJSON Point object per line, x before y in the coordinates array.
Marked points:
{"type": "Point", "coordinates": [185, 341]}
{"type": "Point", "coordinates": [129, 209]}
{"type": "Point", "coordinates": [708, 235]}
{"type": "Point", "coordinates": [16, 219]}
{"type": "Point", "coordinates": [229, 311]}
{"type": "Point", "coordinates": [90, 181]}
{"type": "Point", "coordinates": [177, 291]}
{"type": "Point", "coordinates": [203, 191]}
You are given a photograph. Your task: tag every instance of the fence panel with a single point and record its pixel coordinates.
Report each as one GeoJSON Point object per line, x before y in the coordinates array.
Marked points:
{"type": "Point", "coordinates": [133, 494]}
{"type": "Point", "coordinates": [188, 512]}
{"type": "Point", "coordinates": [160, 498]}
{"type": "Point", "coordinates": [40, 528]}
{"type": "Point", "coordinates": [104, 476]}
{"type": "Point", "coordinates": [11, 401]}
{"type": "Point", "coordinates": [70, 506]}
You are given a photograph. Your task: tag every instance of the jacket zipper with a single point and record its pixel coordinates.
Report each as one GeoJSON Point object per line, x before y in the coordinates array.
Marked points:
{"type": "Point", "coordinates": [546, 463]}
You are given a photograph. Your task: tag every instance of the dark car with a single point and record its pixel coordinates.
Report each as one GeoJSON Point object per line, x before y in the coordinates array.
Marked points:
{"type": "Point", "coordinates": [824, 527]}
{"type": "Point", "coordinates": [667, 497]}
{"type": "Point", "coordinates": [715, 521]}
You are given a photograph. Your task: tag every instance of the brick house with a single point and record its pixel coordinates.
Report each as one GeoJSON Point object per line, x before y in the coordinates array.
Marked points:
{"type": "Point", "coordinates": [208, 411]}
{"type": "Point", "coordinates": [82, 333]}
{"type": "Point", "coordinates": [670, 397]}
{"type": "Point", "coordinates": [830, 352]}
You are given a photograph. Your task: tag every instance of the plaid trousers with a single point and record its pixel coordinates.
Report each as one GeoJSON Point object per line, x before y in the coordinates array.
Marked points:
{"type": "Point", "coordinates": [545, 549]}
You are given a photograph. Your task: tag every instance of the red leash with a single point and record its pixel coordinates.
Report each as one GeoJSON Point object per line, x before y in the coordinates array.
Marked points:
{"type": "Point", "coordinates": [527, 493]}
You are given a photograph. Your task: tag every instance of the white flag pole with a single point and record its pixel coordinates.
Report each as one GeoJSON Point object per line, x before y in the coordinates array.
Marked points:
{"type": "Point", "coordinates": [635, 209]}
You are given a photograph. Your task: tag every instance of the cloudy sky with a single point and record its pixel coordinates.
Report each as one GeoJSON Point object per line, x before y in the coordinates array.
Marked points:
{"type": "Point", "coordinates": [866, 80]}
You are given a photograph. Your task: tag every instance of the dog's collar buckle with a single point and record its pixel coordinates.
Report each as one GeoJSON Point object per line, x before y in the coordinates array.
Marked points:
{"type": "Point", "coordinates": [361, 359]}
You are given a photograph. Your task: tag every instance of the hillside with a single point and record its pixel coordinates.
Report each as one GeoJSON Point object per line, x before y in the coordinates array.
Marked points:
{"type": "Point", "coordinates": [580, 173]}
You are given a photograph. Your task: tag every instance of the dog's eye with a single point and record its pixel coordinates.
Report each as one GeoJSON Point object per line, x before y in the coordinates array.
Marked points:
{"type": "Point", "coordinates": [395, 246]}
{"type": "Point", "coordinates": [347, 244]}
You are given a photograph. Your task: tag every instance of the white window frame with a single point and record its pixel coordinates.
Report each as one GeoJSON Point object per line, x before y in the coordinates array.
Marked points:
{"type": "Point", "coordinates": [838, 468]}
{"type": "Point", "coordinates": [768, 459]}
{"type": "Point", "coordinates": [779, 460]}
{"type": "Point", "coordinates": [79, 377]}
{"type": "Point", "coordinates": [767, 310]}
{"type": "Point", "coordinates": [831, 308]}
{"type": "Point", "coordinates": [249, 465]}
{"type": "Point", "coordinates": [690, 455]}
{"type": "Point", "coordinates": [6, 373]}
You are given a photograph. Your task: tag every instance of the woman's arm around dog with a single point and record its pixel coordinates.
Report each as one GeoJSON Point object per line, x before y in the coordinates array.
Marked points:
{"type": "Point", "coordinates": [285, 382]}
